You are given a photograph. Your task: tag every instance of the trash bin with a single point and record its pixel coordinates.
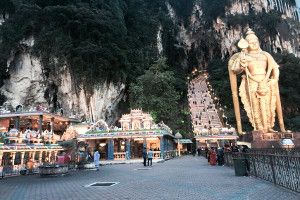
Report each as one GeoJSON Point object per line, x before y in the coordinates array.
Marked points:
{"type": "Point", "coordinates": [23, 171]}
{"type": "Point", "coordinates": [240, 167]}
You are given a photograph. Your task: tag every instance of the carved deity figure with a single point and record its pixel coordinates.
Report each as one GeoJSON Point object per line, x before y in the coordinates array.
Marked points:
{"type": "Point", "coordinates": [259, 85]}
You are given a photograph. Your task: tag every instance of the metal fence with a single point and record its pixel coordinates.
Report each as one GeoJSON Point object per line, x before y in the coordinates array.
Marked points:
{"type": "Point", "coordinates": [279, 166]}
{"type": "Point", "coordinates": [276, 151]}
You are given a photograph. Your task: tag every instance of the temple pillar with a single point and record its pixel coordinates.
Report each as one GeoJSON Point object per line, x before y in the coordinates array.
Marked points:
{"type": "Point", "coordinates": [1, 157]}
{"type": "Point", "coordinates": [33, 155]}
{"type": "Point", "coordinates": [55, 155]}
{"type": "Point", "coordinates": [92, 146]}
{"type": "Point", "coordinates": [110, 149]}
{"type": "Point", "coordinates": [128, 149]}
{"type": "Point", "coordinates": [162, 147]}
{"type": "Point", "coordinates": [51, 125]}
{"type": "Point", "coordinates": [13, 158]}
{"type": "Point", "coordinates": [40, 156]}
{"type": "Point", "coordinates": [119, 145]}
{"type": "Point", "coordinates": [17, 123]}
{"type": "Point", "coordinates": [49, 156]}
{"type": "Point", "coordinates": [40, 124]}
{"type": "Point", "coordinates": [22, 158]}
{"type": "Point", "coordinates": [145, 143]}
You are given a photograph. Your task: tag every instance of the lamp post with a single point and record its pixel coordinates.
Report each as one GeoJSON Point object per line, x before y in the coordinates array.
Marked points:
{"type": "Point", "coordinates": [178, 136]}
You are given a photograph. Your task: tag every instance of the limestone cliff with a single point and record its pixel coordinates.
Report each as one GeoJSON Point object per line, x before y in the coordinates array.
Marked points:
{"type": "Point", "coordinates": [220, 38]}
{"type": "Point", "coordinates": [28, 86]}
{"type": "Point", "coordinates": [198, 37]}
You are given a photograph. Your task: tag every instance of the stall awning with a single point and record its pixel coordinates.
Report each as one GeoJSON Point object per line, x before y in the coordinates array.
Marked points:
{"type": "Point", "coordinates": [183, 141]}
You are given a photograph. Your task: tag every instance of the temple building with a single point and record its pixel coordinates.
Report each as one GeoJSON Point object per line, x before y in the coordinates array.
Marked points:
{"type": "Point", "coordinates": [137, 131]}
{"type": "Point", "coordinates": [29, 139]}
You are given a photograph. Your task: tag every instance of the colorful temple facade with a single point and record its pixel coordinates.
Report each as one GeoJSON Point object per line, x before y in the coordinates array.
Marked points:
{"type": "Point", "coordinates": [137, 131]}
{"type": "Point", "coordinates": [29, 139]}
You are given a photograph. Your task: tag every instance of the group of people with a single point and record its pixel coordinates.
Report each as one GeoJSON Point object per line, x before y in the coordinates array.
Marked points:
{"type": "Point", "coordinates": [147, 156]}
{"type": "Point", "coordinates": [215, 155]}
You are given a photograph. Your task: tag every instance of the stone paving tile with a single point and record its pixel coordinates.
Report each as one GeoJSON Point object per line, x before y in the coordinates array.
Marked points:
{"type": "Point", "coordinates": [183, 178]}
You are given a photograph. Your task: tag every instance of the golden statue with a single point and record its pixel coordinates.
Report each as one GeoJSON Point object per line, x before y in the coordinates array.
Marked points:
{"type": "Point", "coordinates": [259, 90]}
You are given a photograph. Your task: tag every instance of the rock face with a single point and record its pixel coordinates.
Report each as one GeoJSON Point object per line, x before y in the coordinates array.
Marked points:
{"type": "Point", "coordinates": [26, 84]}
{"type": "Point", "coordinates": [220, 39]}
{"type": "Point", "coordinates": [29, 87]}
{"type": "Point", "coordinates": [285, 41]}
{"type": "Point", "coordinates": [242, 7]}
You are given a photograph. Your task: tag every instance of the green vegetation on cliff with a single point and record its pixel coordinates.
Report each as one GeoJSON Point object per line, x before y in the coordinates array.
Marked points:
{"type": "Point", "coordinates": [156, 92]}
{"type": "Point", "coordinates": [264, 23]}
{"type": "Point", "coordinates": [116, 40]}
{"type": "Point", "coordinates": [97, 40]}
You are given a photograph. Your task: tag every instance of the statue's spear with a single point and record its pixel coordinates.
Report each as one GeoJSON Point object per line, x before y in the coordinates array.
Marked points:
{"type": "Point", "coordinates": [234, 91]}
{"type": "Point", "coordinates": [243, 45]}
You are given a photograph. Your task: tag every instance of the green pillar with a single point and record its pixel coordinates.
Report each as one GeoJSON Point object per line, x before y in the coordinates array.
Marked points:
{"type": "Point", "coordinates": [162, 147]}
{"type": "Point", "coordinates": [128, 149]}
{"type": "Point", "coordinates": [110, 149]}
{"type": "Point", "coordinates": [17, 123]}
{"type": "Point", "coordinates": [145, 143]}
{"type": "Point", "coordinates": [40, 123]}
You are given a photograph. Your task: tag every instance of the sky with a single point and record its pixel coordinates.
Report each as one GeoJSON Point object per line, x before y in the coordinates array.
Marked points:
{"type": "Point", "coordinates": [298, 6]}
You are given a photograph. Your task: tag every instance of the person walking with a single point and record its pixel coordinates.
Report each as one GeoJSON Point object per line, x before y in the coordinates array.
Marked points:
{"type": "Point", "coordinates": [97, 160]}
{"type": "Point", "coordinates": [144, 155]}
{"type": "Point", "coordinates": [208, 154]}
{"type": "Point", "coordinates": [220, 156]}
{"type": "Point", "coordinates": [150, 156]}
{"type": "Point", "coordinates": [213, 157]}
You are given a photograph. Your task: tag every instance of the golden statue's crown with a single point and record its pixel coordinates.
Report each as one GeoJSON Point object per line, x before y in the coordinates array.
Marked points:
{"type": "Point", "coordinates": [250, 34]}
{"type": "Point", "coordinates": [249, 31]}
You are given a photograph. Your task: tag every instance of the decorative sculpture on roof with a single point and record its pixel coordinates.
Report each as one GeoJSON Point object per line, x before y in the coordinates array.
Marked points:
{"type": "Point", "coordinates": [136, 120]}
{"type": "Point", "coordinates": [100, 125]}
{"type": "Point", "coordinates": [70, 134]}
{"type": "Point", "coordinates": [163, 126]}
{"type": "Point", "coordinates": [259, 86]}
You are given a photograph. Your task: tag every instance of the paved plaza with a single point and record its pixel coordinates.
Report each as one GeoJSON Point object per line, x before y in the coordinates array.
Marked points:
{"type": "Point", "coordinates": [182, 178]}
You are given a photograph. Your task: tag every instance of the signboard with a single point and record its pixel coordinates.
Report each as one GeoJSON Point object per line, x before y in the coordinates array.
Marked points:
{"type": "Point", "coordinates": [183, 141]}
{"type": "Point", "coordinates": [124, 134]}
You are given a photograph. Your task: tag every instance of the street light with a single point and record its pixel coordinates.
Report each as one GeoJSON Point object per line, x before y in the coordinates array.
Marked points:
{"type": "Point", "coordinates": [178, 136]}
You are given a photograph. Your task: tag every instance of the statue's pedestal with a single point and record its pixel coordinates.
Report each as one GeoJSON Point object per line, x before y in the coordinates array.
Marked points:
{"type": "Point", "coordinates": [259, 139]}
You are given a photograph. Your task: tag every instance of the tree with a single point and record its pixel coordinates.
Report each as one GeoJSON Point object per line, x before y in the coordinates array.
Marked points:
{"type": "Point", "coordinates": [6, 7]}
{"type": "Point", "coordinates": [155, 92]}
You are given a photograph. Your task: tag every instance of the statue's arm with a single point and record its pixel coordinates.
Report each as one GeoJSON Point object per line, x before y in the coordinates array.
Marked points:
{"type": "Point", "coordinates": [237, 65]}
{"type": "Point", "coordinates": [273, 66]}
{"type": "Point", "coordinates": [275, 73]}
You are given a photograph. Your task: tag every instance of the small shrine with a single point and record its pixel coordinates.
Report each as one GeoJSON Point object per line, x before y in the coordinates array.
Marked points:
{"type": "Point", "coordinates": [137, 131]}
